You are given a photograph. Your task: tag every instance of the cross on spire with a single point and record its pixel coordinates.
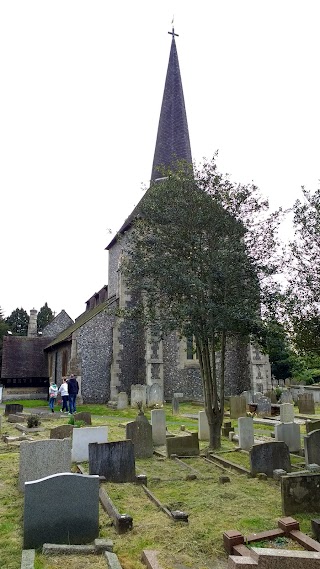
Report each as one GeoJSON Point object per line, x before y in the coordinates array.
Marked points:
{"type": "Point", "coordinates": [172, 33]}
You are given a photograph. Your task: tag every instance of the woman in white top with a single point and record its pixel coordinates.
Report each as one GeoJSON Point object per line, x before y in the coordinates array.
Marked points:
{"type": "Point", "coordinates": [63, 390]}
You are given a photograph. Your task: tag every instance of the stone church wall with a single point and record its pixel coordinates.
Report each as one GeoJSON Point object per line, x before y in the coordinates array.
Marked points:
{"type": "Point", "coordinates": [114, 256]}
{"type": "Point", "coordinates": [58, 324]}
{"type": "Point", "coordinates": [131, 355]}
{"type": "Point", "coordinates": [178, 376]}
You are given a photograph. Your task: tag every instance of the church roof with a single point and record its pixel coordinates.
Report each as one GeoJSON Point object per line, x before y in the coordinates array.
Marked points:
{"type": "Point", "coordinates": [173, 142]}
{"type": "Point", "coordinates": [24, 357]}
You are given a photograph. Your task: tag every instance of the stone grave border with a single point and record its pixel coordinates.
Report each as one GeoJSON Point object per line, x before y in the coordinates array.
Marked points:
{"type": "Point", "coordinates": [235, 543]}
{"type": "Point", "coordinates": [175, 515]}
{"type": "Point", "coordinates": [100, 546]}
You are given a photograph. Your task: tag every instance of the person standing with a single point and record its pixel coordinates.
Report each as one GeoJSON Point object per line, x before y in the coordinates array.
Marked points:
{"type": "Point", "coordinates": [73, 390]}
{"type": "Point", "coordinates": [63, 390]}
{"type": "Point", "coordinates": [53, 392]}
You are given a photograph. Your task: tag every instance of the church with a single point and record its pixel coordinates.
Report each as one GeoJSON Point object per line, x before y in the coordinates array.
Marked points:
{"type": "Point", "coordinates": [110, 354]}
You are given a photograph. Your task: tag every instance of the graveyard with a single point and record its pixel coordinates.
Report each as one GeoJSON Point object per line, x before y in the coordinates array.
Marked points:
{"type": "Point", "coordinates": [117, 483]}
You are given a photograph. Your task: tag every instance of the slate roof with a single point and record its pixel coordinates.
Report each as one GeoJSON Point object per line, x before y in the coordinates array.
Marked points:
{"type": "Point", "coordinates": [24, 357]}
{"type": "Point", "coordinates": [80, 321]}
{"type": "Point", "coordinates": [173, 142]}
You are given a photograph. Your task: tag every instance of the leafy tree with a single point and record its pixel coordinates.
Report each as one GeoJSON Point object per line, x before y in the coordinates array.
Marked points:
{"type": "Point", "coordinates": [201, 253]}
{"type": "Point", "coordinates": [284, 361]}
{"type": "Point", "coordinates": [45, 316]}
{"type": "Point", "coordinates": [18, 322]}
{"type": "Point", "coordinates": [3, 331]}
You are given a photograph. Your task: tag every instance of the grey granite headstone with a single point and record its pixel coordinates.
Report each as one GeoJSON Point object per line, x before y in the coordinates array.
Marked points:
{"type": "Point", "coordinates": [312, 447]}
{"type": "Point", "coordinates": [63, 507]}
{"type": "Point", "coordinates": [289, 433]}
{"type": "Point", "coordinates": [13, 408]}
{"type": "Point", "coordinates": [115, 461]}
{"type": "Point", "coordinates": [43, 458]}
{"type": "Point", "coordinates": [62, 432]}
{"type": "Point", "coordinates": [267, 457]}
{"type": "Point", "coordinates": [286, 397]}
{"type": "Point", "coordinates": [264, 406]}
{"type": "Point", "coordinates": [158, 425]}
{"type": "Point", "coordinates": [83, 416]}
{"type": "Point", "coordinates": [186, 445]}
{"type": "Point", "coordinates": [122, 400]}
{"type": "Point", "coordinates": [246, 436]}
{"type": "Point", "coordinates": [140, 433]}
{"type": "Point", "coordinates": [155, 395]}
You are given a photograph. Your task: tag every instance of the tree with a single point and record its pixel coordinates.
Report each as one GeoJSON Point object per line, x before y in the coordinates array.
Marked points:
{"type": "Point", "coordinates": [45, 316]}
{"type": "Point", "coordinates": [3, 331]}
{"type": "Point", "coordinates": [199, 258]}
{"type": "Point", "coordinates": [18, 322]}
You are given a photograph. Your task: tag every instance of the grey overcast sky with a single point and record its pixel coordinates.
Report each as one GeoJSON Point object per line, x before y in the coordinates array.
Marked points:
{"type": "Point", "coordinates": [81, 89]}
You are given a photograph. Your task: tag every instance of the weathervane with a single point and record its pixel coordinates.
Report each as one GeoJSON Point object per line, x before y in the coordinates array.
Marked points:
{"type": "Point", "coordinates": [172, 33]}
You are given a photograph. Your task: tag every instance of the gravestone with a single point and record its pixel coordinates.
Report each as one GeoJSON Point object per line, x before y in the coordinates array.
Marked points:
{"type": "Point", "coordinates": [227, 428]}
{"type": "Point", "coordinates": [306, 404]}
{"type": "Point", "coordinates": [203, 426]}
{"type": "Point", "coordinates": [45, 519]}
{"type": "Point", "coordinates": [186, 445]}
{"type": "Point", "coordinates": [43, 458]}
{"type": "Point", "coordinates": [257, 396]}
{"type": "Point", "coordinates": [286, 413]}
{"type": "Point", "coordinates": [122, 401]}
{"type": "Point", "coordinates": [81, 438]}
{"type": "Point", "coordinates": [272, 396]}
{"type": "Point", "coordinates": [289, 433]}
{"type": "Point", "coordinates": [300, 493]}
{"type": "Point", "coordinates": [62, 432]}
{"type": "Point", "coordinates": [246, 433]}
{"type": "Point", "coordinates": [175, 406]}
{"type": "Point", "coordinates": [138, 395]}
{"type": "Point", "coordinates": [83, 416]}
{"type": "Point", "coordinates": [155, 395]}
{"type": "Point", "coordinates": [115, 461]}
{"type": "Point", "coordinates": [140, 433]}
{"type": "Point", "coordinates": [263, 406]}
{"type": "Point", "coordinates": [247, 395]}
{"type": "Point", "coordinates": [16, 418]}
{"type": "Point", "coordinates": [12, 409]}
{"type": "Point", "coordinates": [158, 425]}
{"type": "Point", "coordinates": [312, 426]}
{"type": "Point", "coordinates": [238, 406]}
{"type": "Point", "coordinates": [312, 447]}
{"type": "Point", "coordinates": [286, 397]}
{"type": "Point", "coordinates": [267, 457]}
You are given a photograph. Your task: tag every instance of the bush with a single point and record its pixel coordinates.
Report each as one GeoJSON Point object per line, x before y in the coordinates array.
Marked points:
{"type": "Point", "coordinates": [33, 421]}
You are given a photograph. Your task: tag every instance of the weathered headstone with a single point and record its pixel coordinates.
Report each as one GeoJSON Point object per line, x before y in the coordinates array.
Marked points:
{"type": "Point", "coordinates": [81, 438]}
{"type": "Point", "coordinates": [247, 395]}
{"type": "Point", "coordinates": [264, 406]}
{"type": "Point", "coordinates": [83, 416]}
{"type": "Point", "coordinates": [246, 433]}
{"type": "Point", "coordinates": [175, 406]}
{"type": "Point", "coordinates": [286, 397]}
{"type": "Point", "coordinates": [286, 413]}
{"type": "Point", "coordinates": [158, 425]}
{"type": "Point", "coordinates": [43, 458]}
{"type": "Point", "coordinates": [289, 433]}
{"type": "Point", "coordinates": [312, 447]}
{"type": "Point", "coordinates": [62, 432]}
{"type": "Point", "coordinates": [155, 395]}
{"type": "Point", "coordinates": [267, 457]}
{"type": "Point", "coordinates": [238, 406]}
{"type": "Point", "coordinates": [186, 445]}
{"type": "Point", "coordinates": [45, 517]}
{"type": "Point", "coordinates": [13, 408]}
{"type": "Point", "coordinates": [122, 401]}
{"type": "Point", "coordinates": [312, 426]}
{"type": "Point", "coordinates": [203, 426]}
{"type": "Point", "coordinates": [140, 433]}
{"type": "Point", "coordinates": [300, 493]}
{"type": "Point", "coordinates": [115, 461]}
{"type": "Point", "coordinates": [256, 396]}
{"type": "Point", "coordinates": [306, 404]}
{"type": "Point", "coordinates": [227, 428]}
{"type": "Point", "coordinates": [138, 395]}
{"type": "Point", "coordinates": [16, 418]}
{"type": "Point", "coordinates": [272, 396]}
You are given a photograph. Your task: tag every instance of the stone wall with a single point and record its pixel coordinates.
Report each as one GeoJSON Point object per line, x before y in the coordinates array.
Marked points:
{"type": "Point", "coordinates": [114, 256]}
{"type": "Point", "coordinates": [61, 322]}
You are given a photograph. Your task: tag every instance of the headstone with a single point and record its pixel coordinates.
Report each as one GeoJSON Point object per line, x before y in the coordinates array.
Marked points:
{"type": "Point", "coordinates": [43, 458]}
{"type": "Point", "coordinates": [158, 425]}
{"type": "Point", "coordinates": [246, 434]}
{"type": "Point", "coordinates": [62, 432]}
{"type": "Point", "coordinates": [203, 426]}
{"type": "Point", "coordinates": [138, 395]}
{"type": "Point", "coordinates": [227, 428]}
{"type": "Point", "coordinates": [115, 461]}
{"type": "Point", "coordinates": [286, 413]}
{"type": "Point", "coordinates": [16, 418]}
{"type": "Point", "coordinates": [186, 445]}
{"type": "Point", "coordinates": [257, 396]}
{"type": "Point", "coordinates": [140, 433]}
{"type": "Point", "coordinates": [83, 416]}
{"type": "Point", "coordinates": [45, 518]}
{"type": "Point", "coordinates": [312, 447]}
{"type": "Point", "coordinates": [238, 406]}
{"type": "Point", "coordinates": [122, 401]}
{"type": "Point", "coordinates": [155, 395]}
{"type": "Point", "coordinates": [247, 395]}
{"type": "Point", "coordinates": [286, 397]}
{"type": "Point", "coordinates": [300, 493]}
{"type": "Point", "coordinates": [267, 457]}
{"type": "Point", "coordinates": [272, 396]}
{"type": "Point", "coordinates": [306, 404]}
{"type": "Point", "coordinates": [175, 406]}
{"type": "Point", "coordinates": [81, 438]}
{"type": "Point", "coordinates": [312, 426]}
{"type": "Point", "coordinates": [13, 408]}
{"type": "Point", "coordinates": [289, 433]}
{"type": "Point", "coordinates": [278, 473]}
{"type": "Point", "coordinates": [264, 406]}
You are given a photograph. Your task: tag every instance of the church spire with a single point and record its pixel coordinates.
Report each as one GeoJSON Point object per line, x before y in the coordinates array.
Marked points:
{"type": "Point", "coordinates": [173, 141]}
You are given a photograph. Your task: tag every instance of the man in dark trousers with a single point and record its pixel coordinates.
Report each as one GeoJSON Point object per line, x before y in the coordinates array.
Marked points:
{"type": "Point", "coordinates": [73, 390]}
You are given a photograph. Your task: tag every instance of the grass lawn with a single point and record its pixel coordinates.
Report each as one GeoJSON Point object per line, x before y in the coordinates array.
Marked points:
{"type": "Point", "coordinates": [246, 504]}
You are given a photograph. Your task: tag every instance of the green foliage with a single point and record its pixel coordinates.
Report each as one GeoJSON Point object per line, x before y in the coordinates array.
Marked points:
{"type": "Point", "coordinates": [282, 358]}
{"type": "Point", "coordinates": [33, 421]}
{"type": "Point", "coordinates": [4, 327]}
{"type": "Point", "coordinates": [18, 322]}
{"type": "Point", "coordinates": [44, 317]}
